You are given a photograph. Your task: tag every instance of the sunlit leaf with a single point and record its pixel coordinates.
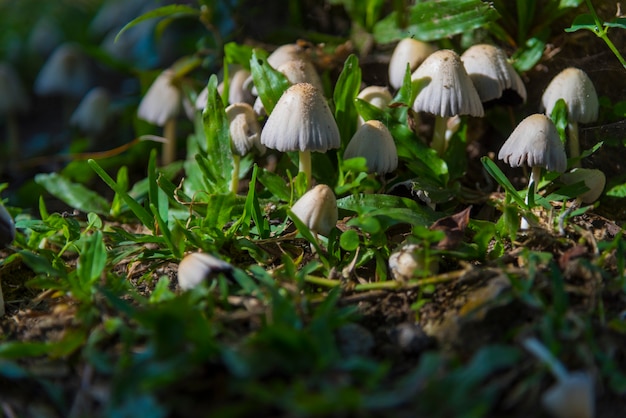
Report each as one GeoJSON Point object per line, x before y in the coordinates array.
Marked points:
{"type": "Point", "coordinates": [346, 90]}
{"type": "Point", "coordinates": [173, 10]}
{"type": "Point", "coordinates": [269, 82]}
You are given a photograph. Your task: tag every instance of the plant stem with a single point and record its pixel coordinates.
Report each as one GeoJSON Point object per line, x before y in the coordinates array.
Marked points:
{"type": "Point", "coordinates": [439, 142]}
{"type": "Point", "coordinates": [601, 32]}
{"type": "Point", "coordinates": [535, 176]}
{"type": "Point", "coordinates": [304, 160]}
{"type": "Point", "coordinates": [234, 183]}
{"type": "Point", "coordinates": [169, 147]}
{"type": "Point", "coordinates": [574, 144]}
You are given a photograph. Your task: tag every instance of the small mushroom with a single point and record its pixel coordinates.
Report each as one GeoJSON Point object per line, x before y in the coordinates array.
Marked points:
{"type": "Point", "coordinates": [376, 96]}
{"type": "Point", "coordinates": [408, 51]}
{"type": "Point", "coordinates": [447, 91]}
{"type": "Point", "coordinates": [491, 73]}
{"type": "Point", "coordinates": [410, 261]}
{"type": "Point", "coordinates": [91, 115]}
{"type": "Point", "coordinates": [534, 143]}
{"type": "Point", "coordinates": [317, 209]}
{"type": "Point", "coordinates": [577, 90]}
{"type": "Point", "coordinates": [65, 73]}
{"type": "Point", "coordinates": [301, 121]}
{"type": "Point", "coordinates": [374, 142]}
{"type": "Point", "coordinates": [594, 180]}
{"type": "Point", "coordinates": [195, 268]}
{"type": "Point", "coordinates": [161, 106]}
{"type": "Point", "coordinates": [245, 133]}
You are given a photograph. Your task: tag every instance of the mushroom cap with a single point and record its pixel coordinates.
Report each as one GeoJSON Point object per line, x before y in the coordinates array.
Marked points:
{"type": "Point", "coordinates": [448, 90]}
{"type": "Point", "coordinates": [491, 72]}
{"type": "Point", "coordinates": [573, 397]}
{"type": "Point", "coordinates": [91, 113]}
{"type": "Point", "coordinates": [162, 101]}
{"type": "Point", "coordinates": [7, 228]}
{"type": "Point", "coordinates": [66, 72]}
{"type": "Point", "coordinates": [535, 142]}
{"type": "Point", "coordinates": [194, 268]}
{"type": "Point", "coordinates": [285, 53]}
{"type": "Point", "coordinates": [13, 97]}
{"type": "Point", "coordinates": [576, 89]}
{"type": "Point", "coordinates": [301, 71]}
{"type": "Point", "coordinates": [244, 129]}
{"type": "Point", "coordinates": [317, 208]}
{"type": "Point", "coordinates": [594, 179]}
{"type": "Point", "coordinates": [238, 90]}
{"type": "Point", "coordinates": [301, 121]}
{"type": "Point", "coordinates": [407, 51]}
{"type": "Point", "coordinates": [374, 142]}
{"type": "Point", "coordinates": [376, 95]}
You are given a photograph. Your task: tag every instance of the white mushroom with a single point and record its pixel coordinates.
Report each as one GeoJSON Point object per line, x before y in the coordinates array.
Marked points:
{"type": "Point", "coordinates": [576, 89]}
{"type": "Point", "coordinates": [491, 72]}
{"type": "Point", "coordinates": [447, 91]}
{"type": "Point", "coordinates": [408, 51]}
{"type": "Point", "coordinates": [245, 133]}
{"type": "Point", "coordinates": [374, 142]}
{"type": "Point", "coordinates": [376, 96]}
{"type": "Point", "coordinates": [66, 73]}
{"type": "Point", "coordinates": [317, 209]}
{"type": "Point", "coordinates": [195, 268]}
{"type": "Point", "coordinates": [301, 121]}
{"type": "Point", "coordinates": [534, 143]}
{"type": "Point", "coordinates": [91, 115]}
{"type": "Point", "coordinates": [161, 106]}
{"type": "Point", "coordinates": [594, 180]}
{"type": "Point", "coordinates": [411, 260]}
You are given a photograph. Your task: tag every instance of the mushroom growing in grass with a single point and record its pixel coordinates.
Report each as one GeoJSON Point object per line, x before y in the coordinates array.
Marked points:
{"type": "Point", "coordinates": [572, 396]}
{"type": "Point", "coordinates": [245, 133]}
{"type": "Point", "coordinates": [408, 51]}
{"type": "Point", "coordinates": [594, 180]}
{"type": "Point", "coordinates": [374, 142]}
{"type": "Point", "coordinates": [91, 115]}
{"type": "Point", "coordinates": [376, 96]}
{"type": "Point", "coordinates": [576, 89]}
{"type": "Point", "coordinates": [198, 267]}
{"type": "Point", "coordinates": [13, 100]}
{"type": "Point", "coordinates": [492, 73]}
{"type": "Point", "coordinates": [301, 121]}
{"type": "Point", "coordinates": [161, 106]}
{"type": "Point", "coordinates": [534, 143]}
{"type": "Point", "coordinates": [446, 91]}
{"type": "Point", "coordinates": [317, 209]}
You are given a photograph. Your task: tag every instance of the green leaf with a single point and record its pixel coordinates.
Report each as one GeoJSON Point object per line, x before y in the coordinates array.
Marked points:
{"type": "Point", "coordinates": [238, 54]}
{"type": "Point", "coordinates": [349, 240]}
{"type": "Point", "coordinates": [527, 56]}
{"type": "Point", "coordinates": [559, 117]}
{"type": "Point", "coordinates": [619, 22]}
{"type": "Point", "coordinates": [276, 185]}
{"type": "Point", "coordinates": [174, 10]}
{"type": "Point", "coordinates": [495, 172]}
{"type": "Point", "coordinates": [269, 82]}
{"type": "Point", "coordinates": [346, 90]}
{"type": "Point", "coordinates": [143, 215]}
{"type": "Point", "coordinates": [304, 230]}
{"type": "Point", "coordinates": [432, 20]}
{"type": "Point", "coordinates": [217, 135]}
{"type": "Point", "coordinates": [123, 182]}
{"type": "Point", "coordinates": [92, 259]}
{"type": "Point", "coordinates": [252, 207]}
{"type": "Point", "coordinates": [584, 21]}
{"type": "Point", "coordinates": [74, 194]}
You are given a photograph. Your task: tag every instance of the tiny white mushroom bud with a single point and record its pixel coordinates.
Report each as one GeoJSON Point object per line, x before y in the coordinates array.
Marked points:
{"type": "Point", "coordinates": [317, 209]}
{"type": "Point", "coordinates": [375, 95]}
{"type": "Point", "coordinates": [198, 267]}
{"type": "Point", "coordinates": [407, 51]}
{"type": "Point", "coordinates": [409, 260]}
{"type": "Point", "coordinates": [374, 142]}
{"type": "Point", "coordinates": [91, 115]}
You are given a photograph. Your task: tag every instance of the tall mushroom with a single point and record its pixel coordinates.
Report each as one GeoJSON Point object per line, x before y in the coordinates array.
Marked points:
{"type": "Point", "coordinates": [301, 121]}
{"type": "Point", "coordinates": [245, 133]}
{"type": "Point", "coordinates": [160, 106]}
{"type": "Point", "coordinates": [534, 143]}
{"type": "Point", "coordinates": [492, 74]}
{"type": "Point", "coordinates": [576, 89]}
{"type": "Point", "coordinates": [447, 91]}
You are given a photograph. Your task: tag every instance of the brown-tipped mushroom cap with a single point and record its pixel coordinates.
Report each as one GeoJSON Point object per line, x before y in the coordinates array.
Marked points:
{"type": "Point", "coordinates": [162, 101]}
{"type": "Point", "coordinates": [535, 142]}
{"type": "Point", "coordinates": [447, 90]}
{"type": "Point", "coordinates": [66, 72]}
{"type": "Point", "coordinates": [244, 128]}
{"type": "Point", "coordinates": [576, 89]}
{"type": "Point", "coordinates": [374, 142]}
{"type": "Point", "coordinates": [317, 209]}
{"type": "Point", "coordinates": [407, 51]}
{"type": "Point", "coordinates": [197, 267]}
{"type": "Point", "coordinates": [13, 98]}
{"type": "Point", "coordinates": [376, 95]}
{"type": "Point", "coordinates": [91, 115]}
{"type": "Point", "coordinates": [285, 53]}
{"type": "Point", "coordinates": [301, 71]}
{"type": "Point", "coordinates": [301, 121]}
{"type": "Point", "coordinates": [491, 72]}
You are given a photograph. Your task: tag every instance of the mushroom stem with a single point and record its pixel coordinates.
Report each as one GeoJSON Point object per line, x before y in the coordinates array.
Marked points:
{"type": "Point", "coordinates": [574, 144]}
{"type": "Point", "coordinates": [169, 147]}
{"type": "Point", "coordinates": [542, 353]}
{"type": "Point", "coordinates": [305, 166]}
{"type": "Point", "coordinates": [234, 183]}
{"type": "Point", "coordinates": [535, 176]}
{"type": "Point", "coordinates": [439, 142]}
